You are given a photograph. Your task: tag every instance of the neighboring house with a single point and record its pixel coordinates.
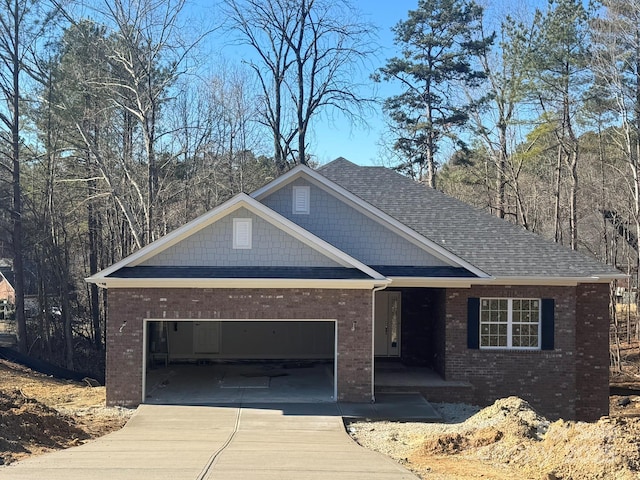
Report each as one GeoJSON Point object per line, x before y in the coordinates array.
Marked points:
{"type": "Point", "coordinates": [355, 263]}
{"type": "Point", "coordinates": [7, 297]}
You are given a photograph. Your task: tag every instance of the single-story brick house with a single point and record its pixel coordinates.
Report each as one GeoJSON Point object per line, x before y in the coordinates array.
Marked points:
{"type": "Point", "coordinates": [360, 263]}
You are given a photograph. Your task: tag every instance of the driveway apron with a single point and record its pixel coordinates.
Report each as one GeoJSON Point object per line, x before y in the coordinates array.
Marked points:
{"type": "Point", "coordinates": [260, 442]}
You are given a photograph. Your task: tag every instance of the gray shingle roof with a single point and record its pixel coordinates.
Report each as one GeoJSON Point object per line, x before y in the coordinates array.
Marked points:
{"type": "Point", "coordinates": [492, 245]}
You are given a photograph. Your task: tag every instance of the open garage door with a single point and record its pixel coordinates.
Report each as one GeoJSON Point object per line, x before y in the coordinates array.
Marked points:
{"type": "Point", "coordinates": [232, 361]}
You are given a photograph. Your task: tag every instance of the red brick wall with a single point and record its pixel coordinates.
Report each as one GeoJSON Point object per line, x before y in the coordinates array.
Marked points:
{"type": "Point", "coordinates": [592, 353]}
{"type": "Point", "coordinates": [554, 382]}
{"type": "Point", "coordinates": [129, 307]}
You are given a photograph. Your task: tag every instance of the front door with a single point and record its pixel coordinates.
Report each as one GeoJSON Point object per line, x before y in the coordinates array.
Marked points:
{"type": "Point", "coordinates": [387, 324]}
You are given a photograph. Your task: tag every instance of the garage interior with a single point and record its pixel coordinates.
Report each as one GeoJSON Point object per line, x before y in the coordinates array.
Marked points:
{"type": "Point", "coordinates": [200, 362]}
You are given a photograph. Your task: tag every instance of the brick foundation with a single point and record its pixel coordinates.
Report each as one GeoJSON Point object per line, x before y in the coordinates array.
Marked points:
{"type": "Point", "coordinates": [129, 307]}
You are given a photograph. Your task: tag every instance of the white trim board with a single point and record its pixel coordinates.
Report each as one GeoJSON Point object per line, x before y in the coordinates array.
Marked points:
{"type": "Point", "coordinates": [111, 282]}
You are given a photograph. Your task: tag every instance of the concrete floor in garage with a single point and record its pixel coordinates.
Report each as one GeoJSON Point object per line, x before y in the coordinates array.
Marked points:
{"type": "Point", "coordinates": [237, 382]}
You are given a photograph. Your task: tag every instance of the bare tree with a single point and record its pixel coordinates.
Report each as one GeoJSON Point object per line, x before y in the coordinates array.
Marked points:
{"type": "Point", "coordinates": [307, 54]}
{"type": "Point", "coordinates": [495, 118]}
{"type": "Point", "coordinates": [149, 53]}
{"type": "Point", "coordinates": [559, 65]}
{"type": "Point", "coordinates": [22, 27]}
{"type": "Point", "coordinates": [617, 67]}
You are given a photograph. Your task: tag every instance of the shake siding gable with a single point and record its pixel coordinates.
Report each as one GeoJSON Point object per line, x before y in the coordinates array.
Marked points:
{"type": "Point", "coordinates": [213, 246]}
{"type": "Point", "coordinates": [349, 230]}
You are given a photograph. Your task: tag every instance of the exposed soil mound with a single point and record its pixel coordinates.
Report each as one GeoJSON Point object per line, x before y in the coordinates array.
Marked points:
{"type": "Point", "coordinates": [451, 443]}
{"type": "Point", "coordinates": [25, 421]}
{"type": "Point", "coordinates": [39, 413]}
{"type": "Point", "coordinates": [505, 441]}
{"type": "Point", "coordinates": [510, 432]}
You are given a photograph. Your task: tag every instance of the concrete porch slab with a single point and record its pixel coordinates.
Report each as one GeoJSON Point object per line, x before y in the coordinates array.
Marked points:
{"type": "Point", "coordinates": [401, 407]}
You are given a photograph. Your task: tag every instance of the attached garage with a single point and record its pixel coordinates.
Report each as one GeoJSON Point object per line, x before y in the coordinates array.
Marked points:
{"type": "Point", "coordinates": [221, 359]}
{"type": "Point", "coordinates": [239, 287]}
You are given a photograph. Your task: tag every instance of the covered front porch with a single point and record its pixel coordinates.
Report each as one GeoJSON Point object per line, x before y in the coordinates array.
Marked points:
{"type": "Point", "coordinates": [409, 345]}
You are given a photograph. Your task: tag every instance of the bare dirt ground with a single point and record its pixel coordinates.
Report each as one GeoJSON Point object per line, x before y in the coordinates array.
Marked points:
{"type": "Point", "coordinates": [504, 441]}
{"type": "Point", "coordinates": [510, 440]}
{"type": "Point", "coordinates": [39, 413]}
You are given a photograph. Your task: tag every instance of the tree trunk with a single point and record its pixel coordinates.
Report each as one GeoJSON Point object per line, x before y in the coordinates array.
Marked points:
{"type": "Point", "coordinates": [501, 168]}
{"type": "Point", "coordinates": [556, 196]}
{"type": "Point", "coordinates": [67, 318]}
{"type": "Point", "coordinates": [16, 211]}
{"type": "Point", "coordinates": [94, 235]}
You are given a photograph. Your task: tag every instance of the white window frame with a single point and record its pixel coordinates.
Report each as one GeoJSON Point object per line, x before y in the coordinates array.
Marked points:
{"type": "Point", "coordinates": [240, 243]}
{"type": "Point", "coordinates": [305, 191]}
{"type": "Point", "coordinates": [510, 323]}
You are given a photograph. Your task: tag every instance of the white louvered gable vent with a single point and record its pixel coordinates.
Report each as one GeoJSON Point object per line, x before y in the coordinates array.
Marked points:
{"type": "Point", "coordinates": [241, 233]}
{"type": "Point", "coordinates": [301, 200]}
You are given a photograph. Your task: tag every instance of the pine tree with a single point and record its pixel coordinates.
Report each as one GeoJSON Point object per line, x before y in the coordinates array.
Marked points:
{"type": "Point", "coordinates": [438, 42]}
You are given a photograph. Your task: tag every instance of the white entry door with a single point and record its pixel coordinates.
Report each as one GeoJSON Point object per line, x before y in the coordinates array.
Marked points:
{"type": "Point", "coordinates": [387, 324]}
{"type": "Point", "coordinates": [206, 337]}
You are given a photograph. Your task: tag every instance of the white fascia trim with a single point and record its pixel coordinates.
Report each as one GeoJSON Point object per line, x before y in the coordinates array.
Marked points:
{"type": "Point", "coordinates": [280, 181]}
{"type": "Point", "coordinates": [444, 282]}
{"type": "Point", "coordinates": [262, 211]}
{"type": "Point", "coordinates": [436, 282]}
{"type": "Point", "coordinates": [237, 283]}
{"type": "Point", "coordinates": [555, 281]}
{"type": "Point", "coordinates": [370, 211]}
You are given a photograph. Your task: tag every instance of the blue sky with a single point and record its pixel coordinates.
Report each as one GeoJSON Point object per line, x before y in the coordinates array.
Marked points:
{"type": "Point", "coordinates": [331, 138]}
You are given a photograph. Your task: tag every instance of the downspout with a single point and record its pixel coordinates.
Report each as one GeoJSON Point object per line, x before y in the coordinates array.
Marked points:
{"type": "Point", "coordinates": [373, 340]}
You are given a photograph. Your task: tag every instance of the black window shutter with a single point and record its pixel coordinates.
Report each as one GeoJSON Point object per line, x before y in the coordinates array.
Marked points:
{"type": "Point", "coordinates": [473, 323]}
{"type": "Point", "coordinates": [548, 320]}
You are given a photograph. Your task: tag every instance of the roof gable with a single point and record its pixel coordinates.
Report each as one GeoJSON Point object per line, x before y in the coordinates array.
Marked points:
{"type": "Point", "coordinates": [368, 210]}
{"type": "Point", "coordinates": [212, 246]}
{"type": "Point", "coordinates": [161, 252]}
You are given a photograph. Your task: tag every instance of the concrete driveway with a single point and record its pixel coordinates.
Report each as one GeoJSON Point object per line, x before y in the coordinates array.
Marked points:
{"type": "Point", "coordinates": [261, 442]}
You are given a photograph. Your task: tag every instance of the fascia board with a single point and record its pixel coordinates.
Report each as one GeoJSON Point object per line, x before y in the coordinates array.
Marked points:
{"type": "Point", "coordinates": [555, 281]}
{"type": "Point", "coordinates": [436, 282]}
{"type": "Point", "coordinates": [237, 283]}
{"type": "Point", "coordinates": [280, 181]}
{"type": "Point", "coordinates": [444, 282]}
{"type": "Point", "coordinates": [370, 211]}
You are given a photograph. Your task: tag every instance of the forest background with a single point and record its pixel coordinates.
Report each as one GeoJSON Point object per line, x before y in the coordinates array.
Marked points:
{"type": "Point", "coordinates": [117, 125]}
